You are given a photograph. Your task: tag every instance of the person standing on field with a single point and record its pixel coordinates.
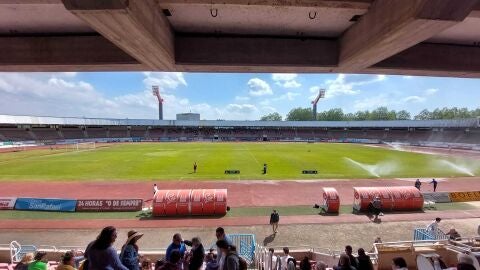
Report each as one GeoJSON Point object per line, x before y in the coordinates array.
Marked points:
{"type": "Point", "coordinates": [264, 168]}
{"type": "Point", "coordinates": [418, 184]}
{"type": "Point", "coordinates": [274, 219]}
{"type": "Point", "coordinates": [435, 184]}
{"type": "Point", "coordinates": [195, 167]}
{"type": "Point", "coordinates": [155, 189]}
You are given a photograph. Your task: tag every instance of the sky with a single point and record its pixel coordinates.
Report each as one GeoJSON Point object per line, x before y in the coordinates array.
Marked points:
{"type": "Point", "coordinates": [246, 96]}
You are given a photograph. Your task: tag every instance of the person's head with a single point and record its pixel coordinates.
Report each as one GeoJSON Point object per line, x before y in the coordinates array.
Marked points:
{"type": "Point", "coordinates": [452, 230]}
{"type": "Point", "coordinates": [28, 258]}
{"type": "Point", "coordinates": [465, 259]}
{"type": "Point", "coordinates": [132, 237]}
{"type": "Point", "coordinates": [378, 240]}
{"type": "Point", "coordinates": [68, 258]}
{"type": "Point", "coordinates": [196, 241]}
{"type": "Point", "coordinates": [438, 220]}
{"type": "Point", "coordinates": [344, 260]}
{"type": "Point", "coordinates": [175, 256]}
{"type": "Point", "coordinates": [274, 211]}
{"type": "Point", "coordinates": [286, 250]}
{"type": "Point", "coordinates": [177, 239]}
{"type": "Point", "coordinates": [348, 250]}
{"type": "Point", "coordinates": [154, 185]}
{"type": "Point", "coordinates": [41, 256]}
{"type": "Point", "coordinates": [232, 248]}
{"type": "Point", "coordinates": [271, 250]}
{"type": "Point", "coordinates": [105, 239]}
{"type": "Point", "coordinates": [398, 262]}
{"type": "Point", "coordinates": [147, 264]}
{"type": "Point", "coordinates": [306, 259]}
{"type": "Point", "coordinates": [361, 252]}
{"type": "Point", "coordinates": [321, 266]}
{"type": "Point", "coordinates": [222, 245]}
{"type": "Point", "coordinates": [220, 233]}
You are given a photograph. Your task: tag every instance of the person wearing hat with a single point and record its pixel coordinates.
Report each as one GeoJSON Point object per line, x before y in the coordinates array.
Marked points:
{"type": "Point", "coordinates": [129, 255]}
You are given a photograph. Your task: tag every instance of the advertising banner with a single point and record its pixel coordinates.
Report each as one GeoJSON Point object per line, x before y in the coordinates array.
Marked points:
{"type": "Point", "coordinates": [101, 205]}
{"type": "Point", "coordinates": [466, 196]}
{"type": "Point", "coordinates": [7, 203]}
{"type": "Point", "coordinates": [36, 204]}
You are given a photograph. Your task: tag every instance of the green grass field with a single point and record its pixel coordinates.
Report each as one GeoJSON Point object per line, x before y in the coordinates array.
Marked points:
{"type": "Point", "coordinates": [173, 161]}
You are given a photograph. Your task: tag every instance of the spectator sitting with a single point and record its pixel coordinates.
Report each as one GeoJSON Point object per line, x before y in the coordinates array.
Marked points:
{"type": "Point", "coordinates": [173, 262]}
{"type": "Point", "coordinates": [344, 263]}
{"type": "Point", "coordinates": [212, 263]}
{"type": "Point", "coordinates": [453, 234]}
{"type": "Point", "coordinates": [177, 244]}
{"type": "Point", "coordinates": [26, 260]}
{"type": "Point", "coordinates": [129, 255]}
{"type": "Point", "coordinates": [321, 266]}
{"type": "Point", "coordinates": [399, 263]}
{"type": "Point", "coordinates": [305, 264]}
{"type": "Point", "coordinates": [39, 262]}
{"type": "Point", "coordinates": [100, 254]}
{"type": "Point", "coordinates": [364, 262]}
{"type": "Point", "coordinates": [146, 264]}
{"type": "Point", "coordinates": [465, 262]}
{"type": "Point", "coordinates": [197, 254]}
{"type": "Point", "coordinates": [68, 261]}
{"type": "Point", "coordinates": [353, 260]}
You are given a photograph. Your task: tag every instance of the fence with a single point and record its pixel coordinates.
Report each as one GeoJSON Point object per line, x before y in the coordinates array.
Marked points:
{"type": "Point", "coordinates": [424, 234]}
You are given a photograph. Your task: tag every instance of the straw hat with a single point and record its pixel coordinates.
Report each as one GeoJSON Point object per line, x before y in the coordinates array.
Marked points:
{"type": "Point", "coordinates": [133, 234]}
{"type": "Point", "coordinates": [28, 258]}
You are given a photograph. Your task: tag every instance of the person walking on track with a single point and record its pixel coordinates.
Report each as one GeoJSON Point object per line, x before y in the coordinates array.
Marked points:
{"type": "Point", "coordinates": [274, 219]}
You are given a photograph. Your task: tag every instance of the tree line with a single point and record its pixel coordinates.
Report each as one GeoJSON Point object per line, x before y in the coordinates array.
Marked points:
{"type": "Point", "coordinates": [380, 113]}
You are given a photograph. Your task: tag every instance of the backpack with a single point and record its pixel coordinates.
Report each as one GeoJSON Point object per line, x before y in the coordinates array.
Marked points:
{"type": "Point", "coordinates": [291, 264]}
{"type": "Point", "coordinates": [242, 263]}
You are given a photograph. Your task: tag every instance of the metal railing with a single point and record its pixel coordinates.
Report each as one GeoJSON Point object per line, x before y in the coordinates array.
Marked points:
{"type": "Point", "coordinates": [424, 234]}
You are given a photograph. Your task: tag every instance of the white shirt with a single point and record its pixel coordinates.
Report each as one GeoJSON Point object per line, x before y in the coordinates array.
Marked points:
{"type": "Point", "coordinates": [432, 227]}
{"type": "Point", "coordinates": [284, 260]}
{"type": "Point", "coordinates": [155, 189]}
{"type": "Point", "coordinates": [271, 262]}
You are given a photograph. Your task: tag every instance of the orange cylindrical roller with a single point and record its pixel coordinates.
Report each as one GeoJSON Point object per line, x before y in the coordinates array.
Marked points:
{"type": "Point", "coordinates": [220, 202]}
{"type": "Point", "coordinates": [331, 200]}
{"type": "Point", "coordinates": [404, 198]}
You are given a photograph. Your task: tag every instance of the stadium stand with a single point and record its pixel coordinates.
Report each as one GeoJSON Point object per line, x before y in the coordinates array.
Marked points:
{"type": "Point", "coordinates": [462, 133]}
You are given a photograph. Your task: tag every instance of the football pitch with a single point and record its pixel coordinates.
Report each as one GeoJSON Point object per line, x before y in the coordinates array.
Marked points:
{"type": "Point", "coordinates": [174, 161]}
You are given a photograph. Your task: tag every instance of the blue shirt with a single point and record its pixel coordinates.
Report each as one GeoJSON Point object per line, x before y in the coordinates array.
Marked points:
{"type": "Point", "coordinates": [172, 247]}
{"type": "Point", "coordinates": [103, 259]}
{"type": "Point", "coordinates": [129, 257]}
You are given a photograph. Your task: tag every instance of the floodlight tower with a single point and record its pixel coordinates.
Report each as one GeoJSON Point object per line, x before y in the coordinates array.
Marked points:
{"type": "Point", "coordinates": [321, 94]}
{"type": "Point", "coordinates": [156, 92]}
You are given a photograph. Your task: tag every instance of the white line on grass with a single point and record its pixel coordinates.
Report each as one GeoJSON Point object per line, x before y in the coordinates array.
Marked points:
{"type": "Point", "coordinates": [250, 152]}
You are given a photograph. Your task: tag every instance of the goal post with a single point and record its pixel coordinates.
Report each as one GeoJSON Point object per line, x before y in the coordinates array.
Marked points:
{"type": "Point", "coordinates": [82, 146]}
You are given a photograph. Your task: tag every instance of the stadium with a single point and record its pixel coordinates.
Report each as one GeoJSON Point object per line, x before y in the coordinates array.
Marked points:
{"type": "Point", "coordinates": [270, 194]}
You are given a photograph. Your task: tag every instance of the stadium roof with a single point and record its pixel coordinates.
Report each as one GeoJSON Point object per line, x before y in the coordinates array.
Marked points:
{"type": "Point", "coordinates": [47, 120]}
{"type": "Point", "coordinates": [415, 37]}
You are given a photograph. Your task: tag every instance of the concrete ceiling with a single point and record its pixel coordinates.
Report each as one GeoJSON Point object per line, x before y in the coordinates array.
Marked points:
{"type": "Point", "coordinates": [260, 20]}
{"type": "Point", "coordinates": [389, 36]}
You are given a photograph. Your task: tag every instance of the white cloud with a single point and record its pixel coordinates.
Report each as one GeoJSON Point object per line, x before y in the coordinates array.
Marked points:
{"type": "Point", "coordinates": [347, 84]}
{"type": "Point", "coordinates": [413, 99]}
{"type": "Point", "coordinates": [259, 87]}
{"type": "Point", "coordinates": [241, 108]}
{"type": "Point", "coordinates": [289, 96]}
{"type": "Point", "coordinates": [431, 91]}
{"type": "Point", "coordinates": [372, 102]}
{"type": "Point", "coordinates": [407, 77]}
{"type": "Point", "coordinates": [269, 109]}
{"type": "Point", "coordinates": [165, 80]}
{"type": "Point", "coordinates": [241, 98]}
{"type": "Point", "coordinates": [286, 80]}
